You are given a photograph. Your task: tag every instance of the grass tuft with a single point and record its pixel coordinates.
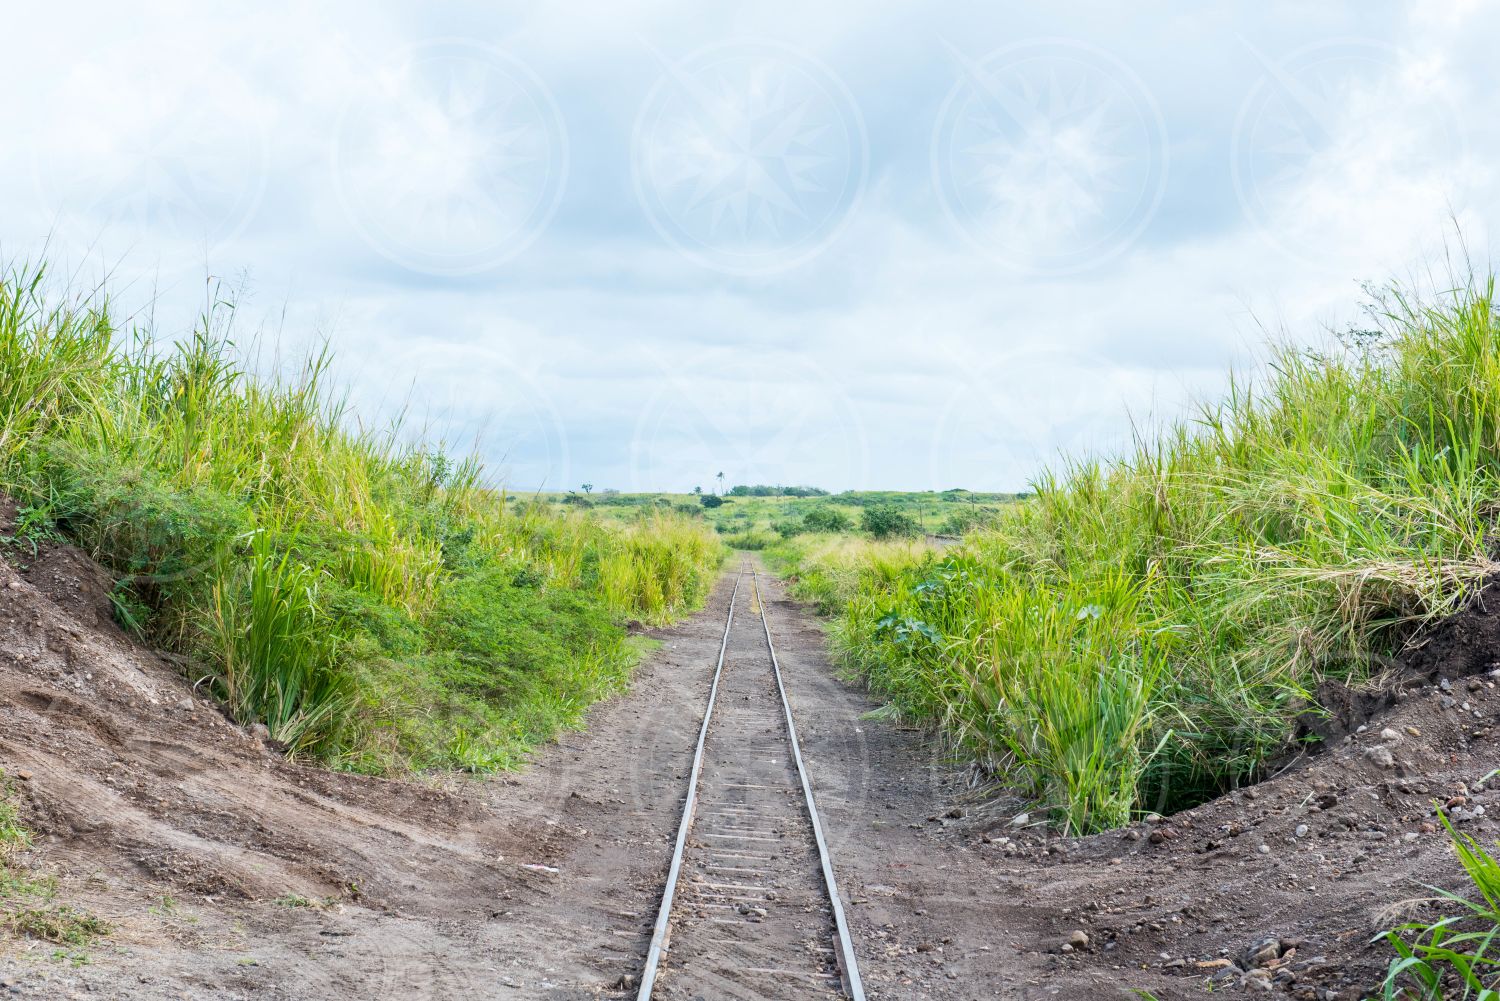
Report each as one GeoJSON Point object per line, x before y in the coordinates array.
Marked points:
{"type": "Point", "coordinates": [56, 923]}
{"type": "Point", "coordinates": [26, 901]}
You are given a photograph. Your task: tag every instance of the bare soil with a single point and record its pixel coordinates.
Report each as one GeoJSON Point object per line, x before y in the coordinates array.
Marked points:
{"type": "Point", "coordinates": [230, 872]}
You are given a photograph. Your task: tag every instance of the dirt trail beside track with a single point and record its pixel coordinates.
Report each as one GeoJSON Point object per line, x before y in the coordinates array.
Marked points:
{"type": "Point", "coordinates": [230, 873]}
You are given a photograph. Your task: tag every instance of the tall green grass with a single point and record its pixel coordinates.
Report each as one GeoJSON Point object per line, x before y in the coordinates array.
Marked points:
{"type": "Point", "coordinates": [1143, 633]}
{"type": "Point", "coordinates": [830, 570]}
{"type": "Point", "coordinates": [372, 602]}
{"type": "Point", "coordinates": [277, 666]}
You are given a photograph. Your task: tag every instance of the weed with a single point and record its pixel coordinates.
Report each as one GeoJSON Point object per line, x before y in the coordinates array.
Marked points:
{"type": "Point", "coordinates": [14, 837]}
{"type": "Point", "coordinates": [1457, 956]}
{"type": "Point", "coordinates": [57, 923]}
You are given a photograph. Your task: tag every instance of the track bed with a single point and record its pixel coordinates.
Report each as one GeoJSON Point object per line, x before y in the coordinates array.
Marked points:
{"type": "Point", "coordinates": [750, 910]}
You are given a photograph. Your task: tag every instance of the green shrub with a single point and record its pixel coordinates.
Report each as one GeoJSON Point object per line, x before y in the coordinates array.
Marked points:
{"type": "Point", "coordinates": [887, 521]}
{"type": "Point", "coordinates": [968, 519]}
{"type": "Point", "coordinates": [826, 519]}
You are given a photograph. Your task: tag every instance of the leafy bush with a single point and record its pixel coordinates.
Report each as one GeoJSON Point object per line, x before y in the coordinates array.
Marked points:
{"type": "Point", "coordinates": [826, 519]}
{"type": "Point", "coordinates": [968, 519]}
{"type": "Point", "coordinates": [887, 521]}
{"type": "Point", "coordinates": [711, 500]}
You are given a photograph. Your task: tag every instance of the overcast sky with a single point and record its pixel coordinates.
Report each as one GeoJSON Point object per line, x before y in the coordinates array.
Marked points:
{"type": "Point", "coordinates": [854, 244]}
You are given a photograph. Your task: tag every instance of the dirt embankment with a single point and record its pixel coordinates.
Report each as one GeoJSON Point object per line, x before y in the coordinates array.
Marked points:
{"type": "Point", "coordinates": [231, 873]}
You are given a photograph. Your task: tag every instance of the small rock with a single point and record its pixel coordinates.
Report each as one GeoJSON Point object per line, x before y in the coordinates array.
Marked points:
{"type": "Point", "coordinates": [1266, 951]}
{"type": "Point", "coordinates": [1390, 735]}
{"type": "Point", "coordinates": [1381, 756]}
{"type": "Point", "coordinates": [1301, 831]}
{"type": "Point", "coordinates": [1020, 820]}
{"type": "Point", "coordinates": [1227, 974]}
{"type": "Point", "coordinates": [1079, 939]}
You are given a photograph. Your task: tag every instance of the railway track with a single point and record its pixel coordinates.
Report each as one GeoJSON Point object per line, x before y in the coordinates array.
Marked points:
{"type": "Point", "coordinates": [751, 907]}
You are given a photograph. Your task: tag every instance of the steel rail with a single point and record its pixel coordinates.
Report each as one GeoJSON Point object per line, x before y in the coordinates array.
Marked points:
{"type": "Point", "coordinates": [664, 916]}
{"type": "Point", "coordinates": [848, 965]}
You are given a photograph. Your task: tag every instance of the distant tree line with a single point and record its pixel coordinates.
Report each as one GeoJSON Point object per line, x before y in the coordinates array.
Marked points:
{"type": "Point", "coordinates": [762, 490]}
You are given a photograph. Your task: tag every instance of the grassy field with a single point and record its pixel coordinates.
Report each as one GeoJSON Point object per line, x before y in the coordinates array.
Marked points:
{"type": "Point", "coordinates": [375, 604]}
{"type": "Point", "coordinates": [1142, 634]}
{"type": "Point", "coordinates": [757, 517]}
